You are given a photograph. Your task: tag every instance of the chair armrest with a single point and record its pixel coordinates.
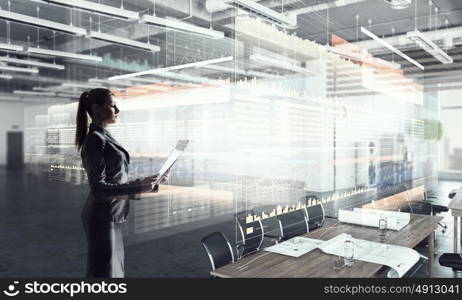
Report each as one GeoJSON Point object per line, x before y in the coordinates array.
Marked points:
{"type": "Point", "coordinates": [439, 208]}
{"type": "Point", "coordinates": [274, 237]}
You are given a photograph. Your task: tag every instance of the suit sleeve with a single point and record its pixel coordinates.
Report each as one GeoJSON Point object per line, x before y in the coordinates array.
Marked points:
{"type": "Point", "coordinates": [93, 161]}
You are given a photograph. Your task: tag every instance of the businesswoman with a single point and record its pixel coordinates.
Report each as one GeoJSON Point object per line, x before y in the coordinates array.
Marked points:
{"type": "Point", "coordinates": [106, 163]}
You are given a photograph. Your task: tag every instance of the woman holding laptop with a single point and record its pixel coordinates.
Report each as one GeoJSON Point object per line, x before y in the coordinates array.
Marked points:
{"type": "Point", "coordinates": [106, 163]}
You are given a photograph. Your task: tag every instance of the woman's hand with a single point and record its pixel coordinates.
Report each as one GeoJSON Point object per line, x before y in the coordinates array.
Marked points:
{"type": "Point", "coordinates": [150, 180]}
{"type": "Point", "coordinates": [165, 177]}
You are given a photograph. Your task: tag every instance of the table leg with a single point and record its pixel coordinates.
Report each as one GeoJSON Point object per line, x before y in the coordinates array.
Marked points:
{"type": "Point", "coordinates": [456, 234]}
{"type": "Point", "coordinates": [460, 234]}
{"type": "Point", "coordinates": [431, 253]}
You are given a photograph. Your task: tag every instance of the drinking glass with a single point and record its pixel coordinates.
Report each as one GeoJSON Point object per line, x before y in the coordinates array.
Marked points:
{"type": "Point", "coordinates": [348, 253]}
{"type": "Point", "coordinates": [383, 224]}
{"type": "Point", "coordinates": [339, 263]}
{"type": "Point", "coordinates": [383, 229]}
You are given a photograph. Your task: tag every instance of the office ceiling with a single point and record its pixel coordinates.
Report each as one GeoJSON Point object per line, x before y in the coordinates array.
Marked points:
{"type": "Point", "coordinates": [179, 48]}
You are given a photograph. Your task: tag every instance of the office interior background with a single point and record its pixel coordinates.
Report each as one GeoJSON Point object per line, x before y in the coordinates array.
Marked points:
{"type": "Point", "coordinates": [286, 103]}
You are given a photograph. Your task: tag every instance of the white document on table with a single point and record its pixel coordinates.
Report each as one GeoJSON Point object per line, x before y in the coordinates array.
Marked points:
{"type": "Point", "coordinates": [295, 247]}
{"type": "Point", "coordinates": [398, 220]}
{"type": "Point", "coordinates": [371, 217]}
{"type": "Point", "coordinates": [399, 258]}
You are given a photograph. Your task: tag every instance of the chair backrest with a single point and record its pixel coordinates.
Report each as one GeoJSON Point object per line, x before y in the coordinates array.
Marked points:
{"type": "Point", "coordinates": [252, 236]}
{"type": "Point", "coordinates": [292, 224]}
{"type": "Point", "coordinates": [241, 216]}
{"type": "Point", "coordinates": [218, 249]}
{"type": "Point", "coordinates": [252, 233]}
{"type": "Point", "coordinates": [316, 215]}
{"type": "Point", "coordinates": [421, 208]}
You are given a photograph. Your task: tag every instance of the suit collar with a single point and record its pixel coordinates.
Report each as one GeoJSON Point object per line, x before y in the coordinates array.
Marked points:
{"type": "Point", "coordinates": [108, 136]}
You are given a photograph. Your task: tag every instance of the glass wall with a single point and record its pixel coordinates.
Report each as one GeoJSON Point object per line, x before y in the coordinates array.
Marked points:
{"type": "Point", "coordinates": [276, 123]}
{"type": "Point", "coordinates": [451, 145]}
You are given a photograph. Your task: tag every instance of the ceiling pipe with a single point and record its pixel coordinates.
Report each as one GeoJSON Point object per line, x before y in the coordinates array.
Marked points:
{"type": "Point", "coordinates": [324, 6]}
{"type": "Point", "coordinates": [214, 6]}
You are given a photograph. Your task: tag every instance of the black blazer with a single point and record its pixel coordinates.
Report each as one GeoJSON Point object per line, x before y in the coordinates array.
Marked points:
{"type": "Point", "coordinates": [106, 163]}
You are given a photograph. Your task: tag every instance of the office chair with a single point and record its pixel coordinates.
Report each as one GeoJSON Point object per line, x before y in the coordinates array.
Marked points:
{"type": "Point", "coordinates": [218, 249]}
{"type": "Point", "coordinates": [268, 233]}
{"type": "Point", "coordinates": [425, 207]}
{"type": "Point", "coordinates": [293, 224]}
{"type": "Point", "coordinates": [451, 260]}
{"type": "Point", "coordinates": [315, 216]}
{"type": "Point", "coordinates": [251, 238]}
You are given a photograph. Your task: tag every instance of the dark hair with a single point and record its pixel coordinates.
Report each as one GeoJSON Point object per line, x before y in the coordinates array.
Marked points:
{"type": "Point", "coordinates": [97, 96]}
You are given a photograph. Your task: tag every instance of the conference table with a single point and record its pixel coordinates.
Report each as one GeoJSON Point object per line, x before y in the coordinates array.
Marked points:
{"type": "Point", "coordinates": [316, 263]}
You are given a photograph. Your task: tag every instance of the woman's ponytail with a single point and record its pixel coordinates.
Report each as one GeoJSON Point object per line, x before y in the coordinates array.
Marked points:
{"type": "Point", "coordinates": [98, 96]}
{"type": "Point", "coordinates": [82, 121]}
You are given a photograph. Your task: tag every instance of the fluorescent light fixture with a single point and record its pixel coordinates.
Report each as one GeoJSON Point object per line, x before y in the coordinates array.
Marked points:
{"type": "Point", "coordinates": [80, 85]}
{"type": "Point", "coordinates": [68, 95]}
{"type": "Point", "coordinates": [48, 52]}
{"type": "Point", "coordinates": [242, 72]}
{"type": "Point", "coordinates": [110, 82]}
{"type": "Point", "coordinates": [26, 98]}
{"type": "Point", "coordinates": [38, 22]}
{"type": "Point", "coordinates": [18, 69]}
{"type": "Point", "coordinates": [31, 63]}
{"type": "Point", "coordinates": [183, 77]}
{"type": "Point", "coordinates": [387, 45]}
{"type": "Point", "coordinates": [106, 10]}
{"type": "Point", "coordinates": [150, 88]}
{"type": "Point", "coordinates": [429, 46]}
{"type": "Point", "coordinates": [399, 4]}
{"type": "Point", "coordinates": [181, 26]}
{"type": "Point", "coordinates": [171, 68]}
{"type": "Point", "coordinates": [35, 93]}
{"type": "Point", "coordinates": [5, 76]}
{"type": "Point", "coordinates": [280, 64]}
{"type": "Point", "coordinates": [122, 41]}
{"type": "Point", "coordinates": [152, 80]}
{"type": "Point", "coordinates": [56, 89]}
{"type": "Point", "coordinates": [11, 47]}
{"type": "Point", "coordinates": [263, 11]}
{"type": "Point", "coordinates": [144, 80]}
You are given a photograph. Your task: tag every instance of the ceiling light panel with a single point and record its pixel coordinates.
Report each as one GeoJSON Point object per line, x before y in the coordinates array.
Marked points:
{"type": "Point", "coordinates": [241, 72]}
{"type": "Point", "coordinates": [429, 46]}
{"type": "Point", "coordinates": [48, 52]}
{"type": "Point", "coordinates": [122, 41]}
{"type": "Point", "coordinates": [18, 69]}
{"type": "Point", "coordinates": [181, 26]}
{"type": "Point", "coordinates": [28, 62]}
{"type": "Point", "coordinates": [152, 81]}
{"type": "Point", "coordinates": [38, 22]}
{"type": "Point", "coordinates": [172, 68]}
{"type": "Point", "coordinates": [11, 47]}
{"type": "Point", "coordinates": [106, 10]}
{"type": "Point", "coordinates": [184, 77]}
{"type": "Point", "coordinates": [110, 82]}
{"type": "Point", "coordinates": [19, 92]}
{"type": "Point", "coordinates": [79, 85]}
{"type": "Point", "coordinates": [56, 89]}
{"type": "Point", "coordinates": [387, 45]}
{"type": "Point", "coordinates": [263, 11]}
